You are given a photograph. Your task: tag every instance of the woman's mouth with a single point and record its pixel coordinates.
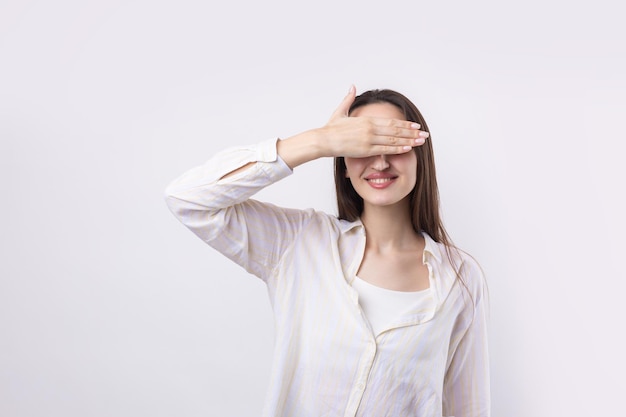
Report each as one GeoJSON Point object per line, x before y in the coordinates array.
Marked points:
{"type": "Point", "coordinates": [379, 182]}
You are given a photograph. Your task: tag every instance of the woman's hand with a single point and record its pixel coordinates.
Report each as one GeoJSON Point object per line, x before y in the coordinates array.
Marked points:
{"type": "Point", "coordinates": [359, 137]}
{"type": "Point", "coordinates": [355, 137]}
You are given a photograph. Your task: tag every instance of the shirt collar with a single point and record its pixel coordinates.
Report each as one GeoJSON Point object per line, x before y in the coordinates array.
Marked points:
{"type": "Point", "coordinates": [431, 247]}
{"type": "Point", "coordinates": [345, 226]}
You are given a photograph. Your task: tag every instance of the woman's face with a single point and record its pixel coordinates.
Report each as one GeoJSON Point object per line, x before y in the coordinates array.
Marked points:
{"type": "Point", "coordinates": [382, 180]}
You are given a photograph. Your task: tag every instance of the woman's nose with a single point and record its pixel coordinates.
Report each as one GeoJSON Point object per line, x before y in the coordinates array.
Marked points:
{"type": "Point", "coordinates": [380, 163]}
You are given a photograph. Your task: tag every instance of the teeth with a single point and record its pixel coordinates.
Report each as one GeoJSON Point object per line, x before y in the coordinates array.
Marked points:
{"type": "Point", "coordinates": [379, 180]}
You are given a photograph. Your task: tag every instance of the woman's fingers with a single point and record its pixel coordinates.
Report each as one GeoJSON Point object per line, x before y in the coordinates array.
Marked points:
{"type": "Point", "coordinates": [390, 150]}
{"type": "Point", "coordinates": [396, 133]}
{"type": "Point", "coordinates": [391, 140]}
{"type": "Point", "coordinates": [378, 145]}
{"type": "Point", "coordinates": [397, 128]}
{"type": "Point", "coordinates": [392, 145]}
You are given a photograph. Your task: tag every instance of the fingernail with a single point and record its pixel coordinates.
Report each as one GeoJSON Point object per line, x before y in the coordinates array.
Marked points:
{"type": "Point", "coordinates": [407, 148]}
{"type": "Point", "coordinates": [420, 140]}
{"type": "Point", "coordinates": [415, 125]}
{"type": "Point", "coordinates": [424, 134]}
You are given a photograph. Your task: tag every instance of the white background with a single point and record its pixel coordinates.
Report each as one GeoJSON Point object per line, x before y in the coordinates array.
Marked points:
{"type": "Point", "coordinates": [110, 307]}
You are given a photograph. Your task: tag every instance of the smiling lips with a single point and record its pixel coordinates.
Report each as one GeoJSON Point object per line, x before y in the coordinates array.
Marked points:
{"type": "Point", "coordinates": [380, 180]}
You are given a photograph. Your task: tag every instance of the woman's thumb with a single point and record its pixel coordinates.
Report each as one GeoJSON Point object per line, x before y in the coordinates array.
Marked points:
{"type": "Point", "coordinates": [344, 106]}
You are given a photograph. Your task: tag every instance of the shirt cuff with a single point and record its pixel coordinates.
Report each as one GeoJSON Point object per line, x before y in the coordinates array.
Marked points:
{"type": "Point", "coordinates": [274, 166]}
{"type": "Point", "coordinates": [266, 150]}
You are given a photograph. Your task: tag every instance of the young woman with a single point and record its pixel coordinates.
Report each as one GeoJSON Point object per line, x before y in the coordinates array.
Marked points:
{"type": "Point", "coordinates": [376, 313]}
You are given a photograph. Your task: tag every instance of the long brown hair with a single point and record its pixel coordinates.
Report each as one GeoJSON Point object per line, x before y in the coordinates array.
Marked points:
{"type": "Point", "coordinates": [424, 199]}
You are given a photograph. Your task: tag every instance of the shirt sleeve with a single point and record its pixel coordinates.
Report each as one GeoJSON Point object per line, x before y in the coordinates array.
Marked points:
{"type": "Point", "coordinates": [220, 212]}
{"type": "Point", "coordinates": [466, 384]}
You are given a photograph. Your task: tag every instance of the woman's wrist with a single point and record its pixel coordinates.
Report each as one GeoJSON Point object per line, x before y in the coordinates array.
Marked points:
{"type": "Point", "coordinates": [301, 148]}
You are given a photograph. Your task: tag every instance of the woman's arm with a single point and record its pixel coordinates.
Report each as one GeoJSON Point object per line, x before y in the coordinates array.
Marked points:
{"type": "Point", "coordinates": [218, 209]}
{"type": "Point", "coordinates": [213, 200]}
{"type": "Point", "coordinates": [349, 136]}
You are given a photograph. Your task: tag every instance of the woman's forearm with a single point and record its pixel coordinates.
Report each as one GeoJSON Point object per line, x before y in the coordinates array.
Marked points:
{"type": "Point", "coordinates": [301, 148]}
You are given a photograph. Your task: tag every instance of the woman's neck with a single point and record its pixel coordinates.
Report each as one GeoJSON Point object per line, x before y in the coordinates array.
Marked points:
{"type": "Point", "coordinates": [389, 228]}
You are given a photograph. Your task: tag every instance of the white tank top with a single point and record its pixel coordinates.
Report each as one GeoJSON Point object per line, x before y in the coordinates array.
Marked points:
{"type": "Point", "coordinates": [382, 306]}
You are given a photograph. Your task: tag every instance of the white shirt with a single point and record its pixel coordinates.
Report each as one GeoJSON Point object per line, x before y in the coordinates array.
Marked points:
{"type": "Point", "coordinates": [327, 362]}
{"type": "Point", "coordinates": [382, 306]}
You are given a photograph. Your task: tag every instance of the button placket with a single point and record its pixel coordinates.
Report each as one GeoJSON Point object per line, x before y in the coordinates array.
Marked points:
{"type": "Point", "coordinates": [359, 389]}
